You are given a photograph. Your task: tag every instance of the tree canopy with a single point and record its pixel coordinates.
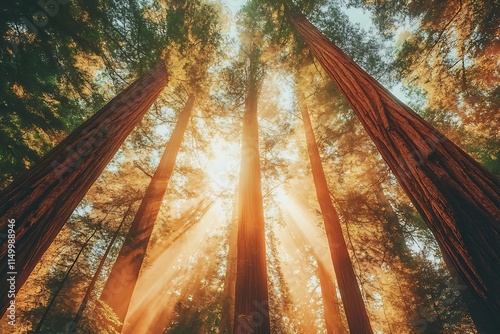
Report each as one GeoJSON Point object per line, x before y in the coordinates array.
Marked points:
{"type": "Point", "coordinates": [241, 236]}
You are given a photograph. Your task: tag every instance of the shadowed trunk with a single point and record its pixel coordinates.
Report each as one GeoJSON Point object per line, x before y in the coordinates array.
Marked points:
{"type": "Point", "coordinates": [457, 197]}
{"type": "Point", "coordinates": [479, 313]}
{"type": "Point", "coordinates": [251, 312]}
{"type": "Point", "coordinates": [43, 199]}
{"type": "Point", "coordinates": [354, 307]}
{"type": "Point", "coordinates": [120, 285]}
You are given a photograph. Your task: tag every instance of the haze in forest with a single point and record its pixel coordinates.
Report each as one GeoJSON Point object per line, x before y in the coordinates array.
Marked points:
{"type": "Point", "coordinates": [199, 166]}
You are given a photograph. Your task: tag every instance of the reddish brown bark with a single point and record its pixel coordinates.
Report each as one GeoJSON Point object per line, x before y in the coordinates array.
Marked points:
{"type": "Point", "coordinates": [354, 306]}
{"type": "Point", "coordinates": [43, 199]}
{"type": "Point", "coordinates": [120, 285]}
{"type": "Point", "coordinates": [458, 198]}
{"type": "Point", "coordinates": [251, 313]}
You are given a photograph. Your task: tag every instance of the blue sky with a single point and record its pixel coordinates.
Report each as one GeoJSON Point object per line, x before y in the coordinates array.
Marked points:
{"type": "Point", "coordinates": [355, 15]}
{"type": "Point", "coordinates": [234, 5]}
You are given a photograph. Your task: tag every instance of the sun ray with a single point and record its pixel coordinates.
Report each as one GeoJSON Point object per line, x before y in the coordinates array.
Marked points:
{"type": "Point", "coordinates": [161, 284]}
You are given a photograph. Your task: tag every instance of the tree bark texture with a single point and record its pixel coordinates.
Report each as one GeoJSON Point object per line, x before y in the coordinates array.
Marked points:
{"type": "Point", "coordinates": [251, 313]}
{"type": "Point", "coordinates": [481, 317]}
{"type": "Point", "coordinates": [43, 199]}
{"type": "Point", "coordinates": [354, 306]}
{"type": "Point", "coordinates": [120, 285]}
{"type": "Point", "coordinates": [456, 196]}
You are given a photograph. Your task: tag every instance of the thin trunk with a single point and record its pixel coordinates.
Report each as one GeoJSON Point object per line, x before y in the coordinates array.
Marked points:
{"type": "Point", "coordinates": [333, 317]}
{"type": "Point", "coordinates": [120, 285]}
{"type": "Point", "coordinates": [354, 307]}
{"type": "Point", "coordinates": [457, 197]}
{"type": "Point", "coordinates": [333, 320]}
{"type": "Point", "coordinates": [42, 201]}
{"type": "Point", "coordinates": [251, 312]}
{"type": "Point", "coordinates": [227, 313]}
{"type": "Point", "coordinates": [90, 288]}
{"type": "Point", "coordinates": [59, 288]}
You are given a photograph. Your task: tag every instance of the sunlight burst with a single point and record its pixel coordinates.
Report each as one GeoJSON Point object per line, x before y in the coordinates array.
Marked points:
{"type": "Point", "coordinates": [223, 165]}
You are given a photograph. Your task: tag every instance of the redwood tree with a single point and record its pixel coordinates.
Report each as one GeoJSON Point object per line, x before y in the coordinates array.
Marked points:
{"type": "Point", "coordinates": [354, 306]}
{"type": "Point", "coordinates": [251, 312]}
{"type": "Point", "coordinates": [457, 197]}
{"type": "Point", "coordinates": [42, 201]}
{"type": "Point", "coordinates": [120, 285]}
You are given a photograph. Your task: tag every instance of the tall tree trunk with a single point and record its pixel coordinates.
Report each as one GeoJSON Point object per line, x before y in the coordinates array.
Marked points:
{"type": "Point", "coordinates": [479, 314]}
{"type": "Point", "coordinates": [120, 285]}
{"type": "Point", "coordinates": [457, 197]}
{"type": "Point", "coordinates": [42, 201]}
{"type": "Point", "coordinates": [61, 285]}
{"type": "Point", "coordinates": [251, 312]}
{"type": "Point", "coordinates": [354, 307]}
{"type": "Point", "coordinates": [90, 288]}
{"type": "Point", "coordinates": [227, 312]}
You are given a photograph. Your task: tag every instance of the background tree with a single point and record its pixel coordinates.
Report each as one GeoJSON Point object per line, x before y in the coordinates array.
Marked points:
{"type": "Point", "coordinates": [357, 316]}
{"type": "Point", "coordinates": [484, 206]}
{"type": "Point", "coordinates": [123, 277]}
{"type": "Point", "coordinates": [61, 172]}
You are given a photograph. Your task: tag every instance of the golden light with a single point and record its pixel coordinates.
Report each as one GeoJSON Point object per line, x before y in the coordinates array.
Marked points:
{"type": "Point", "coordinates": [223, 165]}
{"type": "Point", "coordinates": [280, 195]}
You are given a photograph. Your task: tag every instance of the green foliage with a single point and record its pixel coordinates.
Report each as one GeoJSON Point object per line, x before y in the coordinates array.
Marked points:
{"type": "Point", "coordinates": [101, 320]}
{"type": "Point", "coordinates": [447, 51]}
{"type": "Point", "coordinates": [364, 47]}
{"type": "Point", "coordinates": [45, 89]}
{"type": "Point", "coordinates": [57, 77]}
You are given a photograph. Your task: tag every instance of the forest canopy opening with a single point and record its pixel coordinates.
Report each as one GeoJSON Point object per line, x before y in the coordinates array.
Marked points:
{"type": "Point", "coordinates": [248, 167]}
